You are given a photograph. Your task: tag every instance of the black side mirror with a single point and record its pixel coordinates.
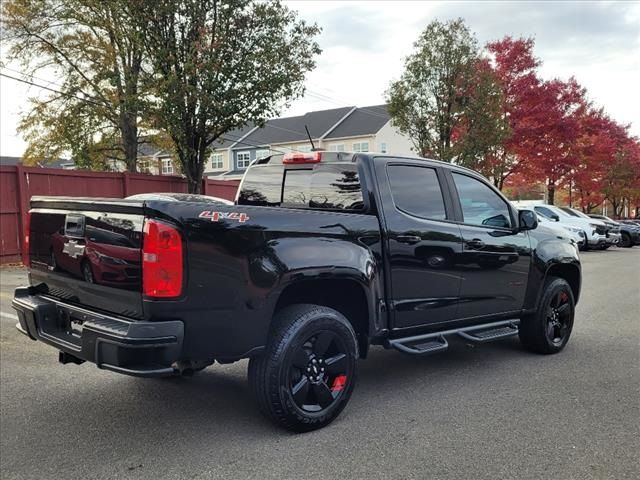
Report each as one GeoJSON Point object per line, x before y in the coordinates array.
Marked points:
{"type": "Point", "coordinates": [527, 220]}
{"type": "Point", "coordinates": [555, 217]}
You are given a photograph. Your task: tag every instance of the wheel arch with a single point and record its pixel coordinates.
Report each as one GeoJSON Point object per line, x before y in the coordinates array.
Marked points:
{"type": "Point", "coordinates": [569, 272]}
{"type": "Point", "coordinates": [346, 295]}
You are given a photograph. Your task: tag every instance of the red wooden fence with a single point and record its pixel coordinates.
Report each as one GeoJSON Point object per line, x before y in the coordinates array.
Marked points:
{"type": "Point", "coordinates": [18, 184]}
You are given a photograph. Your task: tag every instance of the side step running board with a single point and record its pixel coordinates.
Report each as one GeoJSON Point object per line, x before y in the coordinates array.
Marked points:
{"type": "Point", "coordinates": [489, 334]}
{"type": "Point", "coordinates": [436, 341]}
{"type": "Point", "coordinates": [421, 346]}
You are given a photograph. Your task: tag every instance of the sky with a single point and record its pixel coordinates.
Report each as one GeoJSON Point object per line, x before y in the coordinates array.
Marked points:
{"type": "Point", "coordinates": [364, 44]}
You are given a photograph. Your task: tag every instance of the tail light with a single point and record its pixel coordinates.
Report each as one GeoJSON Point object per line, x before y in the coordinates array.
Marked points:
{"type": "Point", "coordinates": [161, 260]}
{"type": "Point", "coordinates": [297, 158]}
{"type": "Point", "coordinates": [26, 258]}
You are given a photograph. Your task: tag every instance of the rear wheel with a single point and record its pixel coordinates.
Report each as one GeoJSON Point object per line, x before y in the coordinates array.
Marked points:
{"type": "Point", "coordinates": [625, 240]}
{"type": "Point", "coordinates": [548, 329]}
{"type": "Point", "coordinates": [307, 374]}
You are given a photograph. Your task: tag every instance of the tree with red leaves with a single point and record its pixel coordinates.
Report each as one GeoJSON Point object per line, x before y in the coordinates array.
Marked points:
{"type": "Point", "coordinates": [622, 179]}
{"type": "Point", "coordinates": [515, 67]}
{"type": "Point", "coordinates": [549, 152]}
{"type": "Point", "coordinates": [599, 137]}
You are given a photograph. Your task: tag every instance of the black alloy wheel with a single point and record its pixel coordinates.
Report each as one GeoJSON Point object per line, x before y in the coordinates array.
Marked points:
{"type": "Point", "coordinates": [307, 373]}
{"type": "Point", "coordinates": [559, 318]}
{"type": "Point", "coordinates": [318, 372]}
{"type": "Point", "coordinates": [548, 329]}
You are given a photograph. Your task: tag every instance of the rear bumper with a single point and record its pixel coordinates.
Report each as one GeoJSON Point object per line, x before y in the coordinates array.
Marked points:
{"type": "Point", "coordinates": [138, 348]}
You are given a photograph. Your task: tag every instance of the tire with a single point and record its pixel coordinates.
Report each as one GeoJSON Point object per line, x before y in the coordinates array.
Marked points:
{"type": "Point", "coordinates": [53, 261]}
{"type": "Point", "coordinates": [625, 240]}
{"type": "Point", "coordinates": [585, 245]}
{"type": "Point", "coordinates": [87, 273]}
{"type": "Point", "coordinates": [307, 373]}
{"type": "Point", "coordinates": [548, 330]}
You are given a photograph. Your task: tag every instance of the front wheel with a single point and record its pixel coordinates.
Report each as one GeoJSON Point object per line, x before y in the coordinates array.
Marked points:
{"type": "Point", "coordinates": [87, 273]}
{"type": "Point", "coordinates": [307, 373]}
{"type": "Point", "coordinates": [549, 328]}
{"type": "Point", "coordinates": [585, 245]}
{"type": "Point", "coordinates": [625, 240]}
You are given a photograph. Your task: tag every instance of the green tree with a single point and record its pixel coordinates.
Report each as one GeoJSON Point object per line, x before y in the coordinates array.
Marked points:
{"type": "Point", "coordinates": [96, 50]}
{"type": "Point", "coordinates": [482, 130]}
{"type": "Point", "coordinates": [221, 64]}
{"type": "Point", "coordinates": [428, 102]}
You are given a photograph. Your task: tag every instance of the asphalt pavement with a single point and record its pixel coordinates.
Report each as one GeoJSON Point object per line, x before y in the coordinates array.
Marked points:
{"type": "Point", "coordinates": [473, 412]}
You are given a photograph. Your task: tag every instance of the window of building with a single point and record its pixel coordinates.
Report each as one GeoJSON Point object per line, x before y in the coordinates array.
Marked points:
{"type": "Point", "coordinates": [360, 147]}
{"type": "Point", "coordinates": [480, 204]}
{"type": "Point", "coordinates": [262, 153]}
{"type": "Point", "coordinates": [244, 159]}
{"type": "Point", "coordinates": [167, 166]}
{"type": "Point", "coordinates": [416, 191]}
{"type": "Point", "coordinates": [339, 147]}
{"type": "Point", "coordinates": [303, 148]}
{"type": "Point", "coordinates": [217, 161]}
{"type": "Point", "coordinates": [383, 147]}
{"type": "Point", "coordinates": [143, 165]}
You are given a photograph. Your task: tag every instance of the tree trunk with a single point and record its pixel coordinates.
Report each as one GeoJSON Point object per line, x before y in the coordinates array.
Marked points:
{"type": "Point", "coordinates": [551, 193]}
{"type": "Point", "coordinates": [194, 185]}
{"type": "Point", "coordinates": [194, 169]}
{"type": "Point", "coordinates": [129, 131]}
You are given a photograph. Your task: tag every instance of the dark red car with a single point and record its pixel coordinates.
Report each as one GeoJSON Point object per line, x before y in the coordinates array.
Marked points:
{"type": "Point", "coordinates": [97, 255]}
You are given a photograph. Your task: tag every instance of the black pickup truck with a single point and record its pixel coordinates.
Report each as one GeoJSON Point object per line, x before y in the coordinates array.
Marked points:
{"type": "Point", "coordinates": [322, 255]}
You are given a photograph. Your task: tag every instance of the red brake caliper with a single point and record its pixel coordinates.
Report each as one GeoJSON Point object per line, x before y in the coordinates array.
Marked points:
{"type": "Point", "coordinates": [339, 383]}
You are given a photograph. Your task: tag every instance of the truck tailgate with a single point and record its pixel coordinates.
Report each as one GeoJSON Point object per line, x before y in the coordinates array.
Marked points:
{"type": "Point", "coordinates": [87, 251]}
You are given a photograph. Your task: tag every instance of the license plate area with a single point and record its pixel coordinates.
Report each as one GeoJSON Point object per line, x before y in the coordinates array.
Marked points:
{"type": "Point", "coordinates": [75, 326]}
{"type": "Point", "coordinates": [63, 325]}
{"type": "Point", "coordinates": [70, 323]}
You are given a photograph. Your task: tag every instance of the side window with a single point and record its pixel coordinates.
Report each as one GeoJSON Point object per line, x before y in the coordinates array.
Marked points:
{"type": "Point", "coordinates": [544, 211]}
{"type": "Point", "coordinates": [480, 204]}
{"type": "Point", "coordinates": [416, 190]}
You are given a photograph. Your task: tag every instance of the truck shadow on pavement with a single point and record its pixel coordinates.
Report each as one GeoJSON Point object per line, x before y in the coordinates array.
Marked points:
{"type": "Point", "coordinates": [217, 400]}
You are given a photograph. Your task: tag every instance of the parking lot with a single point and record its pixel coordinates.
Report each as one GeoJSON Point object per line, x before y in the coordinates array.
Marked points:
{"type": "Point", "coordinates": [489, 411]}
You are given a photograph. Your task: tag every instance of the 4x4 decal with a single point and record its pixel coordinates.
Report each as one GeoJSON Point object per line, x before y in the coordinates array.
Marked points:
{"type": "Point", "coordinates": [217, 216]}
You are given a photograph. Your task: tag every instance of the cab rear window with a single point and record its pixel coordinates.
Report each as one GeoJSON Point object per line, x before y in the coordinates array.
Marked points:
{"type": "Point", "coordinates": [331, 186]}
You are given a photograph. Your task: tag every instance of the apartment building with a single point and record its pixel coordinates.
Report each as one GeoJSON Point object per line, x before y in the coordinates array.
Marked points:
{"type": "Point", "coordinates": [351, 129]}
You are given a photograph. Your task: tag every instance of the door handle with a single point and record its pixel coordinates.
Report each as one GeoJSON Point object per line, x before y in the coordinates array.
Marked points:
{"type": "Point", "coordinates": [475, 244]}
{"type": "Point", "coordinates": [410, 239]}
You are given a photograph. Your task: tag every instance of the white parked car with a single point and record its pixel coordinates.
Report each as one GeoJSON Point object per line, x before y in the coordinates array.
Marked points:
{"type": "Point", "coordinates": [594, 231]}
{"type": "Point", "coordinates": [575, 234]}
{"type": "Point", "coordinates": [613, 228]}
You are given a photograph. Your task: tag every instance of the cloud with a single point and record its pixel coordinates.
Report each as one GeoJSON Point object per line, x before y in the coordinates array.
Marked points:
{"type": "Point", "coordinates": [365, 43]}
